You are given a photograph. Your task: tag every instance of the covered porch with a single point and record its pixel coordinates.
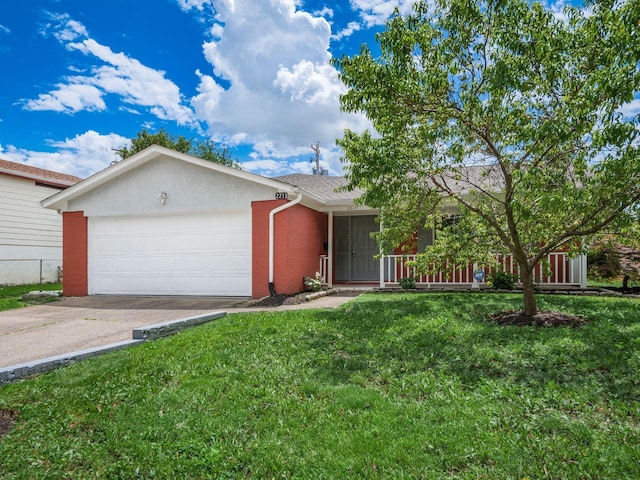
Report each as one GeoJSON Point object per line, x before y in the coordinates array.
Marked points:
{"type": "Point", "coordinates": [352, 251]}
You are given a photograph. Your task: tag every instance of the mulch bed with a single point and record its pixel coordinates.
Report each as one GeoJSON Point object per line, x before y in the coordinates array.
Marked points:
{"type": "Point", "coordinates": [542, 319]}
{"type": "Point", "coordinates": [7, 419]}
{"type": "Point", "coordinates": [625, 291]}
{"type": "Point", "coordinates": [272, 301]}
{"type": "Point", "coordinates": [277, 300]}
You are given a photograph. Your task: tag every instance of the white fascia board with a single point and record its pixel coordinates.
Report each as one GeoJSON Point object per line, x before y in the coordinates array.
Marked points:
{"type": "Point", "coordinates": [310, 200]}
{"type": "Point", "coordinates": [347, 206]}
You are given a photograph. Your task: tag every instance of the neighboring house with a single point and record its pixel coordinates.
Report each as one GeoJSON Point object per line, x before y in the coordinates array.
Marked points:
{"type": "Point", "coordinates": [30, 236]}
{"type": "Point", "coordinates": [164, 223]}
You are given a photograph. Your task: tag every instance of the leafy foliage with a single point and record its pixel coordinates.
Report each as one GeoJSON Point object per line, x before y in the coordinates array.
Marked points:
{"type": "Point", "coordinates": [407, 283]}
{"type": "Point", "coordinates": [603, 262]}
{"type": "Point", "coordinates": [315, 283]}
{"type": "Point", "coordinates": [501, 280]}
{"type": "Point", "coordinates": [504, 114]}
{"type": "Point", "coordinates": [205, 149]}
{"type": "Point", "coordinates": [610, 259]}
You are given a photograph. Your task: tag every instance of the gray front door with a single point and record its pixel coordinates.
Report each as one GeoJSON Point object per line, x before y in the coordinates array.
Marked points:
{"type": "Point", "coordinates": [356, 248]}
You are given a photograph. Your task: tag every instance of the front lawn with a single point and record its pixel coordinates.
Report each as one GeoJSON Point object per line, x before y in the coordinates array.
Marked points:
{"type": "Point", "coordinates": [11, 296]}
{"type": "Point", "coordinates": [388, 386]}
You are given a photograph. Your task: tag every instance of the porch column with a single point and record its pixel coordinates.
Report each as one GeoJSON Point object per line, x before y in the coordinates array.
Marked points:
{"type": "Point", "coordinates": [381, 263]}
{"type": "Point", "coordinates": [329, 278]}
{"type": "Point", "coordinates": [583, 271]}
{"type": "Point", "coordinates": [475, 283]}
{"type": "Point", "coordinates": [582, 262]}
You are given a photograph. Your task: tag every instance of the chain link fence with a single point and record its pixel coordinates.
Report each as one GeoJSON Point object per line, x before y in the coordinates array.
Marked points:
{"type": "Point", "coordinates": [23, 271]}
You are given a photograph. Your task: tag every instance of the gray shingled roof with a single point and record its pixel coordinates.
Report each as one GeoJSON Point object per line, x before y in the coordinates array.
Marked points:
{"type": "Point", "coordinates": [321, 186]}
{"type": "Point", "coordinates": [472, 177]}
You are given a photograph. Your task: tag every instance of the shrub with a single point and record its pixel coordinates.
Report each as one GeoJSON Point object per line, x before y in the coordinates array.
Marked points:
{"type": "Point", "coordinates": [603, 262]}
{"type": "Point", "coordinates": [314, 282]}
{"type": "Point", "coordinates": [407, 283]}
{"type": "Point", "coordinates": [501, 280]}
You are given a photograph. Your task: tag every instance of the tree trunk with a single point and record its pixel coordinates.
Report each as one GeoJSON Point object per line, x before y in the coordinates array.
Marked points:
{"type": "Point", "coordinates": [526, 277]}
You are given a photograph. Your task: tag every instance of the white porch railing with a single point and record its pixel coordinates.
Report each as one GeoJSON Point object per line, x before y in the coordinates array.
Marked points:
{"type": "Point", "coordinates": [562, 271]}
{"type": "Point", "coordinates": [324, 268]}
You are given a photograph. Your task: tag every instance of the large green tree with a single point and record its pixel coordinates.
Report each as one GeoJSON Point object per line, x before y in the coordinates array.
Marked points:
{"type": "Point", "coordinates": [516, 120]}
{"type": "Point", "coordinates": [205, 149]}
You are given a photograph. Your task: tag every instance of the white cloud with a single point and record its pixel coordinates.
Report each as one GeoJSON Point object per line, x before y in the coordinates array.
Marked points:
{"type": "Point", "coordinates": [309, 83]}
{"type": "Point", "coordinates": [135, 83]}
{"type": "Point", "coordinates": [271, 85]}
{"type": "Point", "coordinates": [631, 109]}
{"type": "Point", "coordinates": [266, 167]}
{"type": "Point", "coordinates": [118, 74]}
{"type": "Point", "coordinates": [132, 111]}
{"type": "Point", "coordinates": [222, 8]}
{"type": "Point", "coordinates": [64, 28]}
{"type": "Point", "coordinates": [82, 155]}
{"type": "Point", "coordinates": [325, 12]}
{"type": "Point", "coordinates": [377, 12]}
{"type": "Point", "coordinates": [349, 30]}
{"type": "Point", "coordinates": [270, 159]}
{"type": "Point", "coordinates": [279, 87]}
{"type": "Point", "coordinates": [4, 29]}
{"type": "Point", "coordinates": [69, 99]}
{"type": "Point", "coordinates": [557, 7]}
{"type": "Point", "coordinates": [187, 5]}
{"type": "Point", "coordinates": [217, 31]}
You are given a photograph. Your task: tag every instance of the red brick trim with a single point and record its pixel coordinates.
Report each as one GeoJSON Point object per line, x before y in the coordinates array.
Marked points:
{"type": "Point", "coordinates": [75, 254]}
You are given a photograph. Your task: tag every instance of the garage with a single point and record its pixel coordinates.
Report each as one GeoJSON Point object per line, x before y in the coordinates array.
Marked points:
{"type": "Point", "coordinates": [178, 254]}
{"type": "Point", "coordinates": [164, 223]}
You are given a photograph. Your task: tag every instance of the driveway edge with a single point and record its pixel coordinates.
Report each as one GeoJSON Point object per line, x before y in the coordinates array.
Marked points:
{"type": "Point", "coordinates": [158, 330]}
{"type": "Point", "coordinates": [17, 372]}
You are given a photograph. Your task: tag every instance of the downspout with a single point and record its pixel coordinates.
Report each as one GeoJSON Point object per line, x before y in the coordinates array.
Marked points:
{"type": "Point", "coordinates": [329, 278]}
{"type": "Point", "coordinates": [382, 262]}
{"type": "Point", "coordinates": [272, 214]}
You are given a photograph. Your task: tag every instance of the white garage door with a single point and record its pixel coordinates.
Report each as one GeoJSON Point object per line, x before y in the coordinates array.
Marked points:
{"type": "Point", "coordinates": [201, 254]}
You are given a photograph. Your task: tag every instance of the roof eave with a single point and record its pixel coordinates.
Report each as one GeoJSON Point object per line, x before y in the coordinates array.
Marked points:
{"type": "Point", "coordinates": [37, 178]}
{"type": "Point", "coordinates": [60, 200]}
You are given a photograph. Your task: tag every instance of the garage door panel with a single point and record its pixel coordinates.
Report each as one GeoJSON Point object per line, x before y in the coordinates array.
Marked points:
{"type": "Point", "coordinates": [204, 254]}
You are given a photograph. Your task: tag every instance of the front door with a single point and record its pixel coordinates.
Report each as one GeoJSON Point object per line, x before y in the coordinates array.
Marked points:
{"type": "Point", "coordinates": [356, 249]}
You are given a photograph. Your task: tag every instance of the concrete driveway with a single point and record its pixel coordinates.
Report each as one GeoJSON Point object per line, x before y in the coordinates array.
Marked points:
{"type": "Point", "coordinates": [73, 324]}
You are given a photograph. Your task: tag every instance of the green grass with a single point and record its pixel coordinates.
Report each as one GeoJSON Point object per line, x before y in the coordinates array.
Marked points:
{"type": "Point", "coordinates": [11, 296]}
{"type": "Point", "coordinates": [388, 386]}
{"type": "Point", "coordinates": [605, 283]}
{"type": "Point", "coordinates": [610, 282]}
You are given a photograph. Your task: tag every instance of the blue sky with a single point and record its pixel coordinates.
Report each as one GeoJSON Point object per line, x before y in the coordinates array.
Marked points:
{"type": "Point", "coordinates": [79, 78]}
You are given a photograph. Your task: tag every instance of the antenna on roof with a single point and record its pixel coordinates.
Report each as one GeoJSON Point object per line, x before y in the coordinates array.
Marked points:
{"type": "Point", "coordinates": [114, 161]}
{"type": "Point", "coordinates": [318, 170]}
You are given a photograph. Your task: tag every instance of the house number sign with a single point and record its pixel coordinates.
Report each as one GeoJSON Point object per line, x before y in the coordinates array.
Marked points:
{"type": "Point", "coordinates": [282, 195]}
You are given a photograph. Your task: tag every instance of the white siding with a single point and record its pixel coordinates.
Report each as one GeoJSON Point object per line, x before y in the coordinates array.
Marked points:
{"type": "Point", "coordinates": [23, 221]}
{"type": "Point", "coordinates": [30, 236]}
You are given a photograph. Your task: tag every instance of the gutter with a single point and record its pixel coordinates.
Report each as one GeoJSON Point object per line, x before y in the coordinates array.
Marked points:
{"type": "Point", "coordinates": [272, 214]}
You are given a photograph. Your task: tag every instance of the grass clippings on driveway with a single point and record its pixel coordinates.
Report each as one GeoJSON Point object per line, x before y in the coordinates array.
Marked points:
{"type": "Point", "coordinates": [387, 386]}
